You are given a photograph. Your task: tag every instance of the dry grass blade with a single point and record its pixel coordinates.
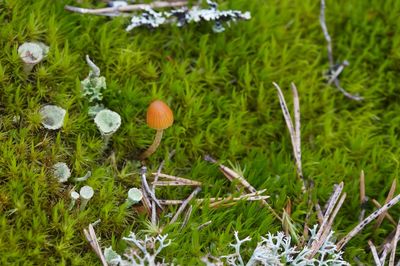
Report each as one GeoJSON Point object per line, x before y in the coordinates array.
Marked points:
{"type": "Point", "coordinates": [374, 253]}
{"type": "Point", "coordinates": [174, 181]}
{"type": "Point", "coordinates": [386, 248]}
{"type": "Point", "coordinates": [387, 215]}
{"type": "Point", "coordinates": [187, 216]}
{"type": "Point", "coordinates": [388, 198]}
{"type": "Point", "coordinates": [297, 126]}
{"type": "Point", "coordinates": [366, 221]}
{"type": "Point", "coordinates": [91, 237]}
{"type": "Point", "coordinates": [331, 204]}
{"type": "Point", "coordinates": [294, 130]}
{"type": "Point", "coordinates": [153, 188]}
{"type": "Point", "coordinates": [184, 204]}
{"type": "Point", "coordinates": [394, 245]}
{"type": "Point", "coordinates": [146, 187]}
{"type": "Point", "coordinates": [320, 241]}
{"type": "Point", "coordinates": [363, 198]}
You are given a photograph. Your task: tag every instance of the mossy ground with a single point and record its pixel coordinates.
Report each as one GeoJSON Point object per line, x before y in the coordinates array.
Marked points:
{"type": "Point", "coordinates": [219, 87]}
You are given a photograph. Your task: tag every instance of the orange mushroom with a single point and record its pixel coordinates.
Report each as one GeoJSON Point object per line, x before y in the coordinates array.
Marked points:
{"type": "Point", "coordinates": [159, 117]}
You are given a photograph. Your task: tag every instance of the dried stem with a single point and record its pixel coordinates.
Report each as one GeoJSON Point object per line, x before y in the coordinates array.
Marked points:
{"type": "Point", "coordinates": [363, 198]}
{"type": "Point", "coordinates": [233, 176]}
{"type": "Point", "coordinates": [91, 237]}
{"type": "Point", "coordinates": [328, 39]}
{"type": "Point", "coordinates": [366, 221]}
{"type": "Point", "coordinates": [147, 188]}
{"type": "Point", "coordinates": [294, 130]}
{"type": "Point", "coordinates": [394, 244]}
{"type": "Point", "coordinates": [153, 188]}
{"type": "Point", "coordinates": [374, 253]}
{"type": "Point", "coordinates": [184, 204]}
{"type": "Point", "coordinates": [127, 8]}
{"type": "Point", "coordinates": [204, 225]}
{"type": "Point", "coordinates": [174, 181]}
{"type": "Point", "coordinates": [187, 216]}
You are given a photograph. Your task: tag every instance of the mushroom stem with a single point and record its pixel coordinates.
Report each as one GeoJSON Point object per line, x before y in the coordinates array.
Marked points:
{"type": "Point", "coordinates": [153, 146]}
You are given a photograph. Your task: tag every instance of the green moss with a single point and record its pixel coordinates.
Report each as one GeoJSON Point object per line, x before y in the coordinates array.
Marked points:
{"type": "Point", "coordinates": [219, 87]}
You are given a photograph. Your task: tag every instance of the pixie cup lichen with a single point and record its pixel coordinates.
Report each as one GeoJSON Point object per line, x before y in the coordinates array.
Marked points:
{"type": "Point", "coordinates": [108, 123]}
{"type": "Point", "coordinates": [32, 53]}
{"type": "Point", "coordinates": [52, 116]}
{"type": "Point", "coordinates": [86, 193]}
{"type": "Point", "coordinates": [134, 196]}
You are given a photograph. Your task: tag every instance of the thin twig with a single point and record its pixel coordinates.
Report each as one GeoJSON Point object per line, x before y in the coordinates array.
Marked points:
{"type": "Point", "coordinates": [328, 39]}
{"type": "Point", "coordinates": [366, 221]}
{"type": "Point", "coordinates": [374, 253]}
{"type": "Point", "coordinates": [91, 237]}
{"type": "Point", "coordinates": [184, 204]}
{"type": "Point", "coordinates": [394, 245]}
{"type": "Point", "coordinates": [388, 198]}
{"type": "Point", "coordinates": [127, 8]}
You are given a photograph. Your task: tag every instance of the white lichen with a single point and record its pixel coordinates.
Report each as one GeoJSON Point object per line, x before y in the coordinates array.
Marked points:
{"type": "Point", "coordinates": [107, 122]}
{"type": "Point", "coordinates": [143, 251]}
{"type": "Point", "coordinates": [182, 16]}
{"type": "Point", "coordinates": [93, 84]}
{"type": "Point", "coordinates": [52, 116]}
{"type": "Point", "coordinates": [61, 171]}
{"type": "Point", "coordinates": [277, 249]}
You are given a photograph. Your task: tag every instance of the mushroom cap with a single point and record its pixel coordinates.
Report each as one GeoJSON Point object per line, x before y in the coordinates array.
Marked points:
{"type": "Point", "coordinates": [159, 115]}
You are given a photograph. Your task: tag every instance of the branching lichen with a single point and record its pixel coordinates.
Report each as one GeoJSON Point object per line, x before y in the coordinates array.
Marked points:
{"type": "Point", "coordinates": [180, 17]}
{"type": "Point", "coordinates": [277, 249]}
{"type": "Point", "coordinates": [142, 251]}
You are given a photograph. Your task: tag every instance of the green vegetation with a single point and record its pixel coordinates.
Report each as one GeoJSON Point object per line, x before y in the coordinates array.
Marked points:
{"type": "Point", "coordinates": [219, 87]}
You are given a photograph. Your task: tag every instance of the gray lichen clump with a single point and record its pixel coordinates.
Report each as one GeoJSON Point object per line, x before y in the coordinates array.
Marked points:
{"type": "Point", "coordinates": [93, 84]}
{"type": "Point", "coordinates": [61, 172]}
{"type": "Point", "coordinates": [152, 19]}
